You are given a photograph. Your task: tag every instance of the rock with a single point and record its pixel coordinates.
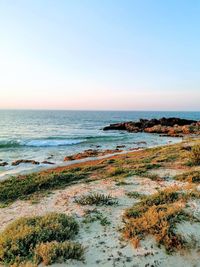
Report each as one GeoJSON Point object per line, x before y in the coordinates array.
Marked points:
{"type": "Point", "coordinates": [2, 164]}
{"type": "Point", "coordinates": [17, 162]}
{"type": "Point", "coordinates": [47, 162]}
{"type": "Point", "coordinates": [168, 126]}
{"type": "Point", "coordinates": [91, 153]}
{"type": "Point", "coordinates": [120, 146]}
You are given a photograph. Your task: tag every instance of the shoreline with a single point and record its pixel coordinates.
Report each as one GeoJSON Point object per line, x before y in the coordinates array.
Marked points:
{"type": "Point", "coordinates": [128, 178]}
{"type": "Point", "coordinates": [46, 167]}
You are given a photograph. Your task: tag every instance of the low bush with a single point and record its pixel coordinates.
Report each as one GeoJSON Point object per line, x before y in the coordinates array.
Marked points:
{"type": "Point", "coordinates": [57, 252]}
{"type": "Point", "coordinates": [158, 215]}
{"type": "Point", "coordinates": [19, 239]}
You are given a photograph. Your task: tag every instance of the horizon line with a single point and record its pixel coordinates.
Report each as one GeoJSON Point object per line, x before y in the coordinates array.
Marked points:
{"type": "Point", "coordinates": [95, 110]}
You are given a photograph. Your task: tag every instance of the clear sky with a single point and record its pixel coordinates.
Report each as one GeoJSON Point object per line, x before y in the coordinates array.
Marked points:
{"type": "Point", "coordinates": [100, 54]}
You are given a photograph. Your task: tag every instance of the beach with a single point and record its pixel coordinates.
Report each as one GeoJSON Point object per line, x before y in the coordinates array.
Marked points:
{"type": "Point", "coordinates": [127, 178]}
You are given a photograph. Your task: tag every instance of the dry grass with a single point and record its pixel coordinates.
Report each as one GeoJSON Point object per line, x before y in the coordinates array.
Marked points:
{"type": "Point", "coordinates": [195, 154]}
{"type": "Point", "coordinates": [158, 215]}
{"type": "Point", "coordinates": [57, 252]}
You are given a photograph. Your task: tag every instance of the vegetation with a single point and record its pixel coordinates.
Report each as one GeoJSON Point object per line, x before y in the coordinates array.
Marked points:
{"type": "Point", "coordinates": [58, 252]}
{"type": "Point", "coordinates": [191, 177]}
{"type": "Point", "coordinates": [21, 240]}
{"type": "Point", "coordinates": [195, 154]}
{"type": "Point", "coordinates": [158, 215]}
{"type": "Point", "coordinates": [95, 215]}
{"type": "Point", "coordinates": [135, 195]}
{"type": "Point", "coordinates": [96, 199]}
{"type": "Point", "coordinates": [137, 163]}
{"type": "Point", "coordinates": [22, 186]}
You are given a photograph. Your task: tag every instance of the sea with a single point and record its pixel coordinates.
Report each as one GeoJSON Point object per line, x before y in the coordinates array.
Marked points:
{"type": "Point", "coordinates": [51, 135]}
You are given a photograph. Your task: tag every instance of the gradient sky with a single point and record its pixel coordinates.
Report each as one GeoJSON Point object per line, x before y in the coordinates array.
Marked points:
{"type": "Point", "coordinates": [100, 54]}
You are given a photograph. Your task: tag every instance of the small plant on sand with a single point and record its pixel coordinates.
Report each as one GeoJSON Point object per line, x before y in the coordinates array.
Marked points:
{"type": "Point", "coordinates": [96, 199]}
{"type": "Point", "coordinates": [135, 194]}
{"type": "Point", "coordinates": [95, 215]}
{"type": "Point", "coordinates": [158, 215]}
{"type": "Point", "coordinates": [19, 240]}
{"type": "Point", "coordinates": [195, 154]}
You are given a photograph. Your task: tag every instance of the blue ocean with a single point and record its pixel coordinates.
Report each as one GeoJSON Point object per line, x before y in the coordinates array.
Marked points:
{"type": "Point", "coordinates": [42, 135]}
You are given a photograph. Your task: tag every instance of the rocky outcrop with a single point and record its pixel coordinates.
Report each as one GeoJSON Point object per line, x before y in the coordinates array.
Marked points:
{"type": "Point", "coordinates": [91, 153]}
{"type": "Point", "coordinates": [166, 126]}
{"type": "Point", "coordinates": [20, 161]}
{"type": "Point", "coordinates": [3, 163]}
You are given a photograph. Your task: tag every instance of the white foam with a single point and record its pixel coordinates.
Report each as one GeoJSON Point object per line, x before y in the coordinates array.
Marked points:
{"type": "Point", "coordinates": [50, 143]}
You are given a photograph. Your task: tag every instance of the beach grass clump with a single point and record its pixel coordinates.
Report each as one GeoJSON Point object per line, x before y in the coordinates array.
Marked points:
{"type": "Point", "coordinates": [118, 171]}
{"type": "Point", "coordinates": [158, 215]}
{"type": "Point", "coordinates": [195, 154]}
{"type": "Point", "coordinates": [135, 194]}
{"type": "Point", "coordinates": [96, 199]}
{"type": "Point", "coordinates": [190, 177]}
{"type": "Point", "coordinates": [58, 252]}
{"type": "Point", "coordinates": [94, 216]}
{"type": "Point", "coordinates": [19, 240]}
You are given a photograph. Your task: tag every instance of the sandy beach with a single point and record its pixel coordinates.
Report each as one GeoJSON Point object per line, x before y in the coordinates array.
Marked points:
{"type": "Point", "coordinates": [101, 227]}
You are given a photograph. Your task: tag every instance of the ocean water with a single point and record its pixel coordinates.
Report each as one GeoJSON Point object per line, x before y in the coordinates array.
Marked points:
{"type": "Point", "coordinates": [42, 135]}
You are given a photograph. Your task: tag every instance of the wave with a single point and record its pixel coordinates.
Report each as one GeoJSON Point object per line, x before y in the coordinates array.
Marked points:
{"type": "Point", "coordinates": [59, 141]}
{"type": "Point", "coordinates": [39, 143]}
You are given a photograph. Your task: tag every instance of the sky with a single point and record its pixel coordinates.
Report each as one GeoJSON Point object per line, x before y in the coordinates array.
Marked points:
{"type": "Point", "coordinates": [100, 54]}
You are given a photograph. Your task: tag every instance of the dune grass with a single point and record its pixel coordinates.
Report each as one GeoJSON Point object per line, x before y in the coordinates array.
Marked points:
{"type": "Point", "coordinates": [190, 177]}
{"type": "Point", "coordinates": [195, 154]}
{"type": "Point", "coordinates": [23, 186]}
{"type": "Point", "coordinates": [21, 240]}
{"type": "Point", "coordinates": [96, 199]}
{"type": "Point", "coordinates": [158, 215]}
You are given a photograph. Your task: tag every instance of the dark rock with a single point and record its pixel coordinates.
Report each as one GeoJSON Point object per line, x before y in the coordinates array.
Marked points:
{"type": "Point", "coordinates": [2, 164]}
{"type": "Point", "coordinates": [47, 162]}
{"type": "Point", "coordinates": [120, 146]}
{"type": "Point", "coordinates": [20, 161]}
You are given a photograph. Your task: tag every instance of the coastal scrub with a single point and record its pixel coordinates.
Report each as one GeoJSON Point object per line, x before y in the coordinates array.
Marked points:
{"type": "Point", "coordinates": [22, 240]}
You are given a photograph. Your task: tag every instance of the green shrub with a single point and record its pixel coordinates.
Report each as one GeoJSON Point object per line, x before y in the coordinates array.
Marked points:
{"type": "Point", "coordinates": [96, 199]}
{"type": "Point", "coordinates": [57, 252]}
{"type": "Point", "coordinates": [19, 239]}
